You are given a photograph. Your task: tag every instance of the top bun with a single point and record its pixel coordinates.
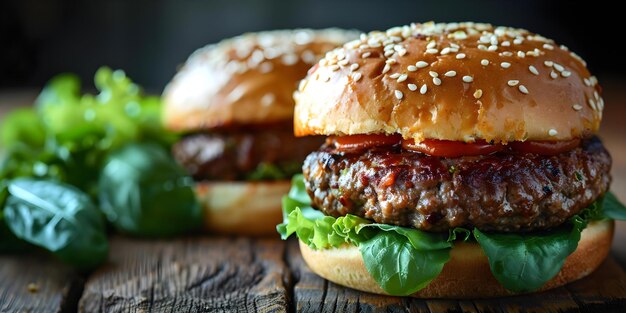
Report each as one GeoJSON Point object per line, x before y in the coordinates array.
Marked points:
{"type": "Point", "coordinates": [458, 81]}
{"type": "Point", "coordinates": [248, 79]}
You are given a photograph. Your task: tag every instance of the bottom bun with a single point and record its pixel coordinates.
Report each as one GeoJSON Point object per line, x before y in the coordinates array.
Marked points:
{"type": "Point", "coordinates": [467, 274]}
{"type": "Point", "coordinates": [242, 208]}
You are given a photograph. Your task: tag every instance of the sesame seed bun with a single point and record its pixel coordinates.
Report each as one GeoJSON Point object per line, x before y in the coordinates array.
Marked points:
{"type": "Point", "coordinates": [242, 208]}
{"type": "Point", "coordinates": [461, 82]}
{"type": "Point", "coordinates": [249, 79]}
{"type": "Point", "coordinates": [467, 274]}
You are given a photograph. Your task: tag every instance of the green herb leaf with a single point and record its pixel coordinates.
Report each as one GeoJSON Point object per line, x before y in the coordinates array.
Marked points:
{"type": "Point", "coordinates": [612, 208]}
{"type": "Point", "coordinates": [525, 262]}
{"type": "Point", "coordinates": [22, 128]}
{"type": "Point", "coordinates": [143, 191]}
{"type": "Point", "coordinates": [58, 218]}
{"type": "Point", "coordinates": [397, 266]}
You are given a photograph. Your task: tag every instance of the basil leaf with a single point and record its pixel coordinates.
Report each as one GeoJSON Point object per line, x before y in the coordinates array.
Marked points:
{"type": "Point", "coordinates": [143, 191]}
{"type": "Point", "coordinates": [525, 262]}
{"type": "Point", "coordinates": [397, 266]}
{"type": "Point", "coordinates": [612, 208]}
{"type": "Point", "coordinates": [58, 218]}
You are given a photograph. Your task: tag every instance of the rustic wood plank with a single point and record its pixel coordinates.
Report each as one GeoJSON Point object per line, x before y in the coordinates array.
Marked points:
{"type": "Point", "coordinates": [190, 275]}
{"type": "Point", "coordinates": [36, 282]}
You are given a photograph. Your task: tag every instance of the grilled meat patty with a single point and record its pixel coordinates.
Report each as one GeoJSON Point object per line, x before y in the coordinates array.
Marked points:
{"type": "Point", "coordinates": [498, 192]}
{"type": "Point", "coordinates": [235, 154]}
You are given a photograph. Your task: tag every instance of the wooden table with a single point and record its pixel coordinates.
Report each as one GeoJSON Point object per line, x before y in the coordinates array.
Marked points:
{"type": "Point", "coordinates": [265, 274]}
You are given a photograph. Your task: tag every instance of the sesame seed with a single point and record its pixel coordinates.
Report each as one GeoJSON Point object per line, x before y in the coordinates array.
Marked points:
{"type": "Point", "coordinates": [436, 81]}
{"type": "Point", "coordinates": [553, 75]}
{"type": "Point", "coordinates": [356, 76]}
{"type": "Point", "coordinates": [577, 107]}
{"type": "Point", "coordinates": [354, 67]}
{"type": "Point", "coordinates": [424, 89]}
{"type": "Point", "coordinates": [421, 64]}
{"type": "Point", "coordinates": [366, 55]}
{"type": "Point", "coordinates": [402, 78]}
{"type": "Point", "coordinates": [391, 61]}
{"type": "Point", "coordinates": [445, 51]}
{"type": "Point", "coordinates": [460, 56]}
{"type": "Point", "coordinates": [412, 87]}
{"type": "Point", "coordinates": [389, 53]}
{"type": "Point", "coordinates": [450, 74]}
{"type": "Point", "coordinates": [548, 46]}
{"type": "Point", "coordinates": [518, 41]}
{"type": "Point", "coordinates": [512, 82]}
{"type": "Point", "coordinates": [587, 82]}
{"type": "Point", "coordinates": [566, 73]}
{"type": "Point", "coordinates": [482, 47]}
{"type": "Point", "coordinates": [433, 74]}
{"type": "Point", "coordinates": [552, 132]}
{"type": "Point", "coordinates": [506, 43]}
{"type": "Point", "coordinates": [394, 75]}
{"type": "Point", "coordinates": [492, 48]}
{"type": "Point", "coordinates": [533, 70]}
{"type": "Point", "coordinates": [548, 63]}
{"type": "Point", "coordinates": [402, 53]}
{"type": "Point", "coordinates": [431, 51]}
{"type": "Point", "coordinates": [468, 79]}
{"type": "Point", "coordinates": [558, 67]}
{"type": "Point", "coordinates": [334, 68]}
{"type": "Point", "coordinates": [521, 54]}
{"type": "Point", "coordinates": [398, 94]}
{"type": "Point", "coordinates": [592, 104]}
{"type": "Point", "coordinates": [505, 64]}
{"type": "Point", "coordinates": [523, 89]}
{"type": "Point", "coordinates": [343, 62]}
{"type": "Point", "coordinates": [386, 68]}
{"type": "Point", "coordinates": [478, 93]}
{"type": "Point", "coordinates": [484, 62]}
{"type": "Point", "coordinates": [411, 68]}
{"type": "Point", "coordinates": [431, 45]}
{"type": "Point", "coordinates": [506, 53]}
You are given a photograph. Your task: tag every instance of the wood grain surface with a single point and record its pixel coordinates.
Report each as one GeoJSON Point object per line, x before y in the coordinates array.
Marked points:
{"type": "Point", "coordinates": [226, 274]}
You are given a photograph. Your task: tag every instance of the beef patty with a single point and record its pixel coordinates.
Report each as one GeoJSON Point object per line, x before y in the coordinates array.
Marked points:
{"type": "Point", "coordinates": [498, 192]}
{"type": "Point", "coordinates": [233, 154]}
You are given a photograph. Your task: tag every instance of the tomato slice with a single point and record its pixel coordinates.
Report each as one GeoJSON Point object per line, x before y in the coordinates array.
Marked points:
{"type": "Point", "coordinates": [451, 149]}
{"type": "Point", "coordinates": [545, 147]}
{"type": "Point", "coordinates": [355, 143]}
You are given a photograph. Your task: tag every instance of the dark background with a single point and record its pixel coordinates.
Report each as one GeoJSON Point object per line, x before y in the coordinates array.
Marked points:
{"type": "Point", "coordinates": [148, 39]}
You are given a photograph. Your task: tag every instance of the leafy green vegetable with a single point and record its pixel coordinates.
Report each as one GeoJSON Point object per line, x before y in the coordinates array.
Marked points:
{"type": "Point", "coordinates": [526, 262]}
{"type": "Point", "coordinates": [397, 266]}
{"type": "Point", "coordinates": [401, 260]}
{"type": "Point", "coordinates": [58, 218]}
{"type": "Point", "coordinates": [612, 208]}
{"type": "Point", "coordinates": [21, 128]}
{"type": "Point", "coordinates": [144, 192]}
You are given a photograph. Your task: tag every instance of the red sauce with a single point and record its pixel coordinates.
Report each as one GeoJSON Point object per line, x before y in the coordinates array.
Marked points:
{"type": "Point", "coordinates": [450, 149]}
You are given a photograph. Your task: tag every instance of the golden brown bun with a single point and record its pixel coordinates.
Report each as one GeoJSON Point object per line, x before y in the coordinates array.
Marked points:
{"type": "Point", "coordinates": [360, 89]}
{"type": "Point", "coordinates": [242, 208]}
{"type": "Point", "coordinates": [467, 274]}
{"type": "Point", "coordinates": [245, 80]}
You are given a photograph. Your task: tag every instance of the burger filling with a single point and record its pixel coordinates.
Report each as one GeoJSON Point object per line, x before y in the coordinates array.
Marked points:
{"type": "Point", "coordinates": [268, 152]}
{"type": "Point", "coordinates": [494, 188]}
{"type": "Point", "coordinates": [406, 204]}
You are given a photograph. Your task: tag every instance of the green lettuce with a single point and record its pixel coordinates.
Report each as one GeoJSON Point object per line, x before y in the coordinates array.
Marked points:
{"type": "Point", "coordinates": [404, 260]}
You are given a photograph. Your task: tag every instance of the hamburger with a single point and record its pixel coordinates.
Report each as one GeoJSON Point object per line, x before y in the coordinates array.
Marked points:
{"type": "Point", "coordinates": [461, 162]}
{"type": "Point", "coordinates": [233, 103]}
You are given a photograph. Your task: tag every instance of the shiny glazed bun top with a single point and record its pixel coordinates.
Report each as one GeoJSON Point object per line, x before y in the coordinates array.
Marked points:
{"type": "Point", "coordinates": [249, 79]}
{"type": "Point", "coordinates": [458, 81]}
